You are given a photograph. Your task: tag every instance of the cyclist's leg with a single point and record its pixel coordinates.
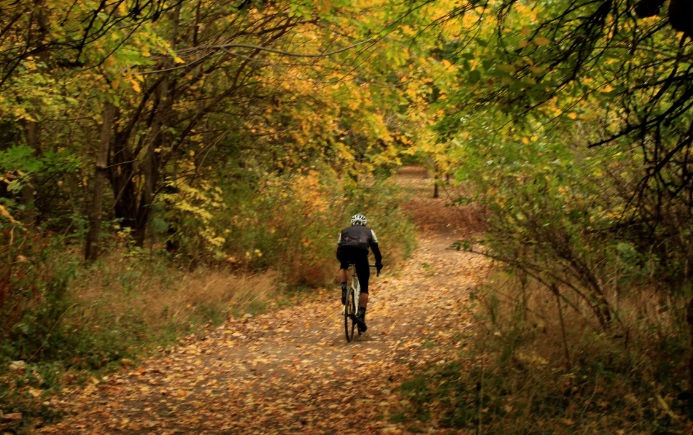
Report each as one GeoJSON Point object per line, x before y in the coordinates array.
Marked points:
{"type": "Point", "coordinates": [363, 273]}
{"type": "Point", "coordinates": [346, 256]}
{"type": "Point", "coordinates": [343, 257]}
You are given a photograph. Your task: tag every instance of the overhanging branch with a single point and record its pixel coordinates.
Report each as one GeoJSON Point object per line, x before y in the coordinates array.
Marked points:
{"type": "Point", "coordinates": [226, 47]}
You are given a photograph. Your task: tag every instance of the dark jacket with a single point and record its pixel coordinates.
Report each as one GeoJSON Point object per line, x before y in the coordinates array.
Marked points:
{"type": "Point", "coordinates": [362, 238]}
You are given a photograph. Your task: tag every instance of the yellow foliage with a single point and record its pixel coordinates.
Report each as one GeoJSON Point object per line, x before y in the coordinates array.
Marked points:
{"type": "Point", "coordinates": [135, 84]}
{"type": "Point", "coordinates": [542, 41]}
{"type": "Point", "coordinates": [7, 215]}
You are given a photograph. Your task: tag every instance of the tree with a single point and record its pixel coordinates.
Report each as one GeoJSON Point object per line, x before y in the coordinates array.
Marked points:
{"type": "Point", "coordinates": [47, 47]}
{"type": "Point", "coordinates": [619, 75]}
{"type": "Point", "coordinates": [191, 84]}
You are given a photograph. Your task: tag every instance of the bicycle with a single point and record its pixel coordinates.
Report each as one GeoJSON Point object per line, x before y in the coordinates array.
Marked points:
{"type": "Point", "coordinates": [351, 303]}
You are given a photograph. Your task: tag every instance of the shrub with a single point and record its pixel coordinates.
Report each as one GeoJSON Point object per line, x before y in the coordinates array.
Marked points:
{"type": "Point", "coordinates": [65, 317]}
{"type": "Point", "coordinates": [524, 372]}
{"type": "Point", "coordinates": [583, 329]}
{"type": "Point", "coordinates": [292, 224]}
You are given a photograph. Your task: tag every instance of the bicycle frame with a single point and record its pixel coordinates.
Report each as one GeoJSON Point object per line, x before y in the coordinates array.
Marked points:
{"type": "Point", "coordinates": [352, 303]}
{"type": "Point", "coordinates": [355, 284]}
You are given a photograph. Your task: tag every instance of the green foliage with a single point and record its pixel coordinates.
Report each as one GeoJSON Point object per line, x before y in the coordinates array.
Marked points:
{"type": "Point", "coordinates": [24, 390]}
{"type": "Point", "coordinates": [552, 209]}
{"type": "Point", "coordinates": [184, 218]}
{"type": "Point", "coordinates": [20, 158]}
{"type": "Point", "coordinates": [39, 313]}
{"type": "Point", "coordinates": [46, 176]}
{"type": "Point", "coordinates": [562, 77]}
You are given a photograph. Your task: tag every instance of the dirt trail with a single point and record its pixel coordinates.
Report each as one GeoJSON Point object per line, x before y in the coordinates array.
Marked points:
{"type": "Point", "coordinates": [292, 371]}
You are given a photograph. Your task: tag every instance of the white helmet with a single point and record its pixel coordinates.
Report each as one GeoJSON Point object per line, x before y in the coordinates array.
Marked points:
{"type": "Point", "coordinates": [358, 219]}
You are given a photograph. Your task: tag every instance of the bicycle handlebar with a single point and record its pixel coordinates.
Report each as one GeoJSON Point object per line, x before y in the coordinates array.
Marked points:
{"type": "Point", "coordinates": [370, 265]}
{"type": "Point", "coordinates": [373, 265]}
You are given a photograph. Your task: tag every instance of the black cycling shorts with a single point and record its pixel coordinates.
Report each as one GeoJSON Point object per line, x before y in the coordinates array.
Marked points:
{"type": "Point", "coordinates": [359, 258]}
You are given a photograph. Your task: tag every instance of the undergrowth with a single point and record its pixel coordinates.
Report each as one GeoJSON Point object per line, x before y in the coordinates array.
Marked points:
{"type": "Point", "coordinates": [520, 374]}
{"type": "Point", "coordinates": [86, 321]}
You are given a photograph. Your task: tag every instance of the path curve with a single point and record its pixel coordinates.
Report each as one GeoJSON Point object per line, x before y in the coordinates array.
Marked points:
{"type": "Point", "coordinates": [291, 371]}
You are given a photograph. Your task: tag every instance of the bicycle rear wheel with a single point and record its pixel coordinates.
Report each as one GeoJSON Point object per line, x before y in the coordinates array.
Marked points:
{"type": "Point", "coordinates": [350, 315]}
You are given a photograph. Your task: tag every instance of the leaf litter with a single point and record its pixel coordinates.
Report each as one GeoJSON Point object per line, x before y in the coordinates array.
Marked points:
{"type": "Point", "coordinates": [292, 371]}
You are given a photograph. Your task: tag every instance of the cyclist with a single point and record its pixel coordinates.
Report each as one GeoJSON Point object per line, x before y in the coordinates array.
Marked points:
{"type": "Point", "coordinates": [352, 248]}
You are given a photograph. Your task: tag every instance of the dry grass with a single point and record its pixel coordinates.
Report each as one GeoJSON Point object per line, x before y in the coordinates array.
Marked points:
{"type": "Point", "coordinates": [228, 290]}
{"type": "Point", "coordinates": [160, 299]}
{"type": "Point", "coordinates": [544, 372]}
{"type": "Point", "coordinates": [515, 376]}
{"type": "Point", "coordinates": [534, 306]}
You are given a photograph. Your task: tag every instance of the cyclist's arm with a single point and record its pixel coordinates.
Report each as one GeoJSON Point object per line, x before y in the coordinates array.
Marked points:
{"type": "Point", "coordinates": [339, 244]}
{"type": "Point", "coordinates": [376, 252]}
{"type": "Point", "coordinates": [375, 248]}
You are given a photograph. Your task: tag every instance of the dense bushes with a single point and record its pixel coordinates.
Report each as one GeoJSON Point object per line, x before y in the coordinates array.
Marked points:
{"type": "Point", "coordinates": [567, 219]}
{"type": "Point", "coordinates": [289, 223]}
{"type": "Point", "coordinates": [294, 221]}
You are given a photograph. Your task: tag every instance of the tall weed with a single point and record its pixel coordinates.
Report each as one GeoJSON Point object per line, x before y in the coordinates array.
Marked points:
{"type": "Point", "coordinates": [532, 368]}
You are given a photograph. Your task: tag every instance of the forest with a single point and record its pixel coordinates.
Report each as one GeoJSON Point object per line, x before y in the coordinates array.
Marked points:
{"type": "Point", "coordinates": [167, 166]}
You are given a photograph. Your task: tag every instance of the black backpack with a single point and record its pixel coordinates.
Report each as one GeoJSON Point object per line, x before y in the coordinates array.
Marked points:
{"type": "Point", "coordinates": [358, 236]}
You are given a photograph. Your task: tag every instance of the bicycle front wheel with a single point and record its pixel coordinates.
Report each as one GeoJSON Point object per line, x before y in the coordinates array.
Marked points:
{"type": "Point", "coordinates": [350, 315]}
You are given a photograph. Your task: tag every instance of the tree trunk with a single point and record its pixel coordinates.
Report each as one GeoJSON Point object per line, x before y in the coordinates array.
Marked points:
{"type": "Point", "coordinates": [436, 181]}
{"type": "Point", "coordinates": [91, 248]}
{"type": "Point", "coordinates": [149, 180]}
{"type": "Point", "coordinates": [125, 172]}
{"type": "Point", "coordinates": [689, 319]}
{"type": "Point", "coordinates": [150, 165]}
